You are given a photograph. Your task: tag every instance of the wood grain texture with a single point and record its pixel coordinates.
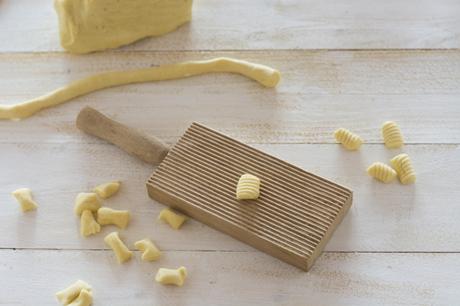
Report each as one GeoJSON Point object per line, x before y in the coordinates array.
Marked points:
{"type": "Point", "coordinates": [319, 92]}
{"type": "Point", "coordinates": [393, 217]}
{"type": "Point", "coordinates": [31, 25]}
{"type": "Point", "coordinates": [214, 277]}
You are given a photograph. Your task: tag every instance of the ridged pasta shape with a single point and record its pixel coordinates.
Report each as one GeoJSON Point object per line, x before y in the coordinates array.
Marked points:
{"type": "Point", "coordinates": [248, 187]}
{"type": "Point", "coordinates": [392, 135]}
{"type": "Point", "coordinates": [348, 139]}
{"type": "Point", "coordinates": [403, 166]}
{"type": "Point", "coordinates": [382, 172]}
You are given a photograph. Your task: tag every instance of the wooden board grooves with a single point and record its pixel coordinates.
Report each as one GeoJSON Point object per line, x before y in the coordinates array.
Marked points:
{"type": "Point", "coordinates": [293, 217]}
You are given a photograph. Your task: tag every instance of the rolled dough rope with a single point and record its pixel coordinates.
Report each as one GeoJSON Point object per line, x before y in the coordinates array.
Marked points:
{"type": "Point", "coordinates": [265, 75]}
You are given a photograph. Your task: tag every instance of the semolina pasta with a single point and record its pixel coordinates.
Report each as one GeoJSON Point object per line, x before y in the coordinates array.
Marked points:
{"type": "Point", "coordinates": [392, 135]}
{"type": "Point", "coordinates": [248, 187]}
{"type": "Point", "coordinates": [108, 189]}
{"type": "Point", "coordinates": [86, 201]}
{"type": "Point", "coordinates": [149, 251]}
{"type": "Point", "coordinates": [106, 216]}
{"type": "Point", "coordinates": [174, 219]}
{"type": "Point", "coordinates": [348, 139]}
{"type": "Point", "coordinates": [403, 166]}
{"type": "Point", "coordinates": [24, 197]}
{"type": "Point", "coordinates": [382, 172]}
{"type": "Point", "coordinates": [88, 225]}
{"type": "Point", "coordinates": [85, 298]}
{"type": "Point", "coordinates": [121, 251]}
{"type": "Point", "coordinates": [69, 294]}
{"type": "Point", "coordinates": [171, 276]}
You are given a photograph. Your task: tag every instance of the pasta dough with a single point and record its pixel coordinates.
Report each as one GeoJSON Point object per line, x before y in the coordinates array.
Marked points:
{"type": "Point", "coordinates": [403, 166]}
{"type": "Point", "coordinates": [87, 26]}
{"type": "Point", "coordinates": [88, 225]}
{"type": "Point", "coordinates": [174, 219]}
{"type": "Point", "coordinates": [69, 294]}
{"type": "Point", "coordinates": [266, 76]}
{"type": "Point", "coordinates": [382, 172]}
{"type": "Point", "coordinates": [86, 201]}
{"type": "Point", "coordinates": [106, 216]}
{"type": "Point", "coordinates": [171, 276]}
{"type": "Point", "coordinates": [24, 197]}
{"type": "Point", "coordinates": [149, 251]}
{"type": "Point", "coordinates": [85, 298]}
{"type": "Point", "coordinates": [121, 251]}
{"type": "Point", "coordinates": [248, 187]}
{"type": "Point", "coordinates": [348, 139]}
{"type": "Point", "coordinates": [392, 135]}
{"type": "Point", "coordinates": [107, 190]}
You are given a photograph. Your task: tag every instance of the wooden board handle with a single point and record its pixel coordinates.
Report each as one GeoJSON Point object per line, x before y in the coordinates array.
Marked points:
{"type": "Point", "coordinates": [149, 149]}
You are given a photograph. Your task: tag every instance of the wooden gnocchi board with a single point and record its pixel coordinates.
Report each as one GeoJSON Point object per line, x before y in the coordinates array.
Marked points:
{"type": "Point", "coordinates": [292, 219]}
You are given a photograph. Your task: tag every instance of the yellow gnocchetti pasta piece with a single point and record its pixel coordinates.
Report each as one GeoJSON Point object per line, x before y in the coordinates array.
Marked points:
{"type": "Point", "coordinates": [248, 187]}
{"type": "Point", "coordinates": [69, 294]}
{"type": "Point", "coordinates": [149, 251]}
{"type": "Point", "coordinates": [107, 190]}
{"type": "Point", "coordinates": [24, 198]}
{"type": "Point", "coordinates": [175, 220]}
{"type": "Point", "coordinates": [403, 166]}
{"type": "Point", "coordinates": [382, 172]}
{"type": "Point", "coordinates": [392, 135]}
{"type": "Point", "coordinates": [348, 139]}
{"type": "Point", "coordinates": [85, 298]}
{"type": "Point", "coordinates": [121, 251]}
{"type": "Point", "coordinates": [86, 201]}
{"type": "Point", "coordinates": [106, 216]}
{"type": "Point", "coordinates": [88, 225]}
{"type": "Point", "coordinates": [171, 276]}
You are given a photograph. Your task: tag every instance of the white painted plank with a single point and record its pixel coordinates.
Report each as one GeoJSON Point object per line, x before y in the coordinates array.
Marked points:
{"type": "Point", "coordinates": [319, 92]}
{"type": "Point", "coordinates": [393, 217]}
{"type": "Point", "coordinates": [233, 278]}
{"type": "Point", "coordinates": [31, 25]}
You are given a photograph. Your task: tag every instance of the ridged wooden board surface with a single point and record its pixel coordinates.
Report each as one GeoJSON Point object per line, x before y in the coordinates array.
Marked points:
{"type": "Point", "coordinates": [292, 219]}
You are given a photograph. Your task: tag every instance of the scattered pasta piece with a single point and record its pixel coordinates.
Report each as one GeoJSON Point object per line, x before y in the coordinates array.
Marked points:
{"type": "Point", "coordinates": [86, 201]}
{"type": "Point", "coordinates": [121, 251]}
{"type": "Point", "coordinates": [106, 216]}
{"type": "Point", "coordinates": [171, 276]}
{"type": "Point", "coordinates": [149, 251]}
{"type": "Point", "coordinates": [403, 166]}
{"type": "Point", "coordinates": [248, 187]}
{"type": "Point", "coordinates": [382, 172]}
{"type": "Point", "coordinates": [348, 139]}
{"type": "Point", "coordinates": [69, 294]}
{"type": "Point", "coordinates": [174, 219]}
{"type": "Point", "coordinates": [85, 298]}
{"type": "Point", "coordinates": [24, 197]}
{"type": "Point", "coordinates": [108, 189]}
{"type": "Point", "coordinates": [392, 135]}
{"type": "Point", "coordinates": [88, 225]}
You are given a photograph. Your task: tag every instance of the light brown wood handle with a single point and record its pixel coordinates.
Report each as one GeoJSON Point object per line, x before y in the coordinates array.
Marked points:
{"type": "Point", "coordinates": [147, 148]}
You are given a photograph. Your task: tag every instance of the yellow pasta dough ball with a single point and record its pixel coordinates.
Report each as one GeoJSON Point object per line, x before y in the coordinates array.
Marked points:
{"type": "Point", "coordinates": [248, 187]}
{"type": "Point", "coordinates": [348, 139]}
{"type": "Point", "coordinates": [403, 166]}
{"type": "Point", "coordinates": [392, 135]}
{"type": "Point", "coordinates": [382, 172]}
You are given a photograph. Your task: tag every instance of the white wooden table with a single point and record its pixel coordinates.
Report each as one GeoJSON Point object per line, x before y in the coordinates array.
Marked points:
{"type": "Point", "coordinates": [352, 64]}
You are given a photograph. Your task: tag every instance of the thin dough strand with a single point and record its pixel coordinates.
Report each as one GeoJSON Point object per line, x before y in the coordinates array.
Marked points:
{"type": "Point", "coordinates": [265, 75]}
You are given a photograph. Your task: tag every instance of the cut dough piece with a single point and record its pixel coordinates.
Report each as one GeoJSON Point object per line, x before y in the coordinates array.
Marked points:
{"type": "Point", "coordinates": [265, 75]}
{"type": "Point", "coordinates": [171, 276]}
{"type": "Point", "coordinates": [108, 189]}
{"type": "Point", "coordinates": [88, 225]}
{"type": "Point", "coordinates": [87, 26]}
{"type": "Point", "coordinates": [174, 219]}
{"type": "Point", "coordinates": [248, 187]}
{"type": "Point", "coordinates": [85, 298]}
{"type": "Point", "coordinates": [24, 197]}
{"type": "Point", "coordinates": [86, 201]}
{"type": "Point", "coordinates": [150, 251]}
{"type": "Point", "coordinates": [106, 216]}
{"type": "Point", "coordinates": [121, 250]}
{"type": "Point", "coordinates": [69, 294]}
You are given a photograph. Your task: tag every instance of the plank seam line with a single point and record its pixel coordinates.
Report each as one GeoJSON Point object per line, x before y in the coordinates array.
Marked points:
{"type": "Point", "coordinates": [249, 143]}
